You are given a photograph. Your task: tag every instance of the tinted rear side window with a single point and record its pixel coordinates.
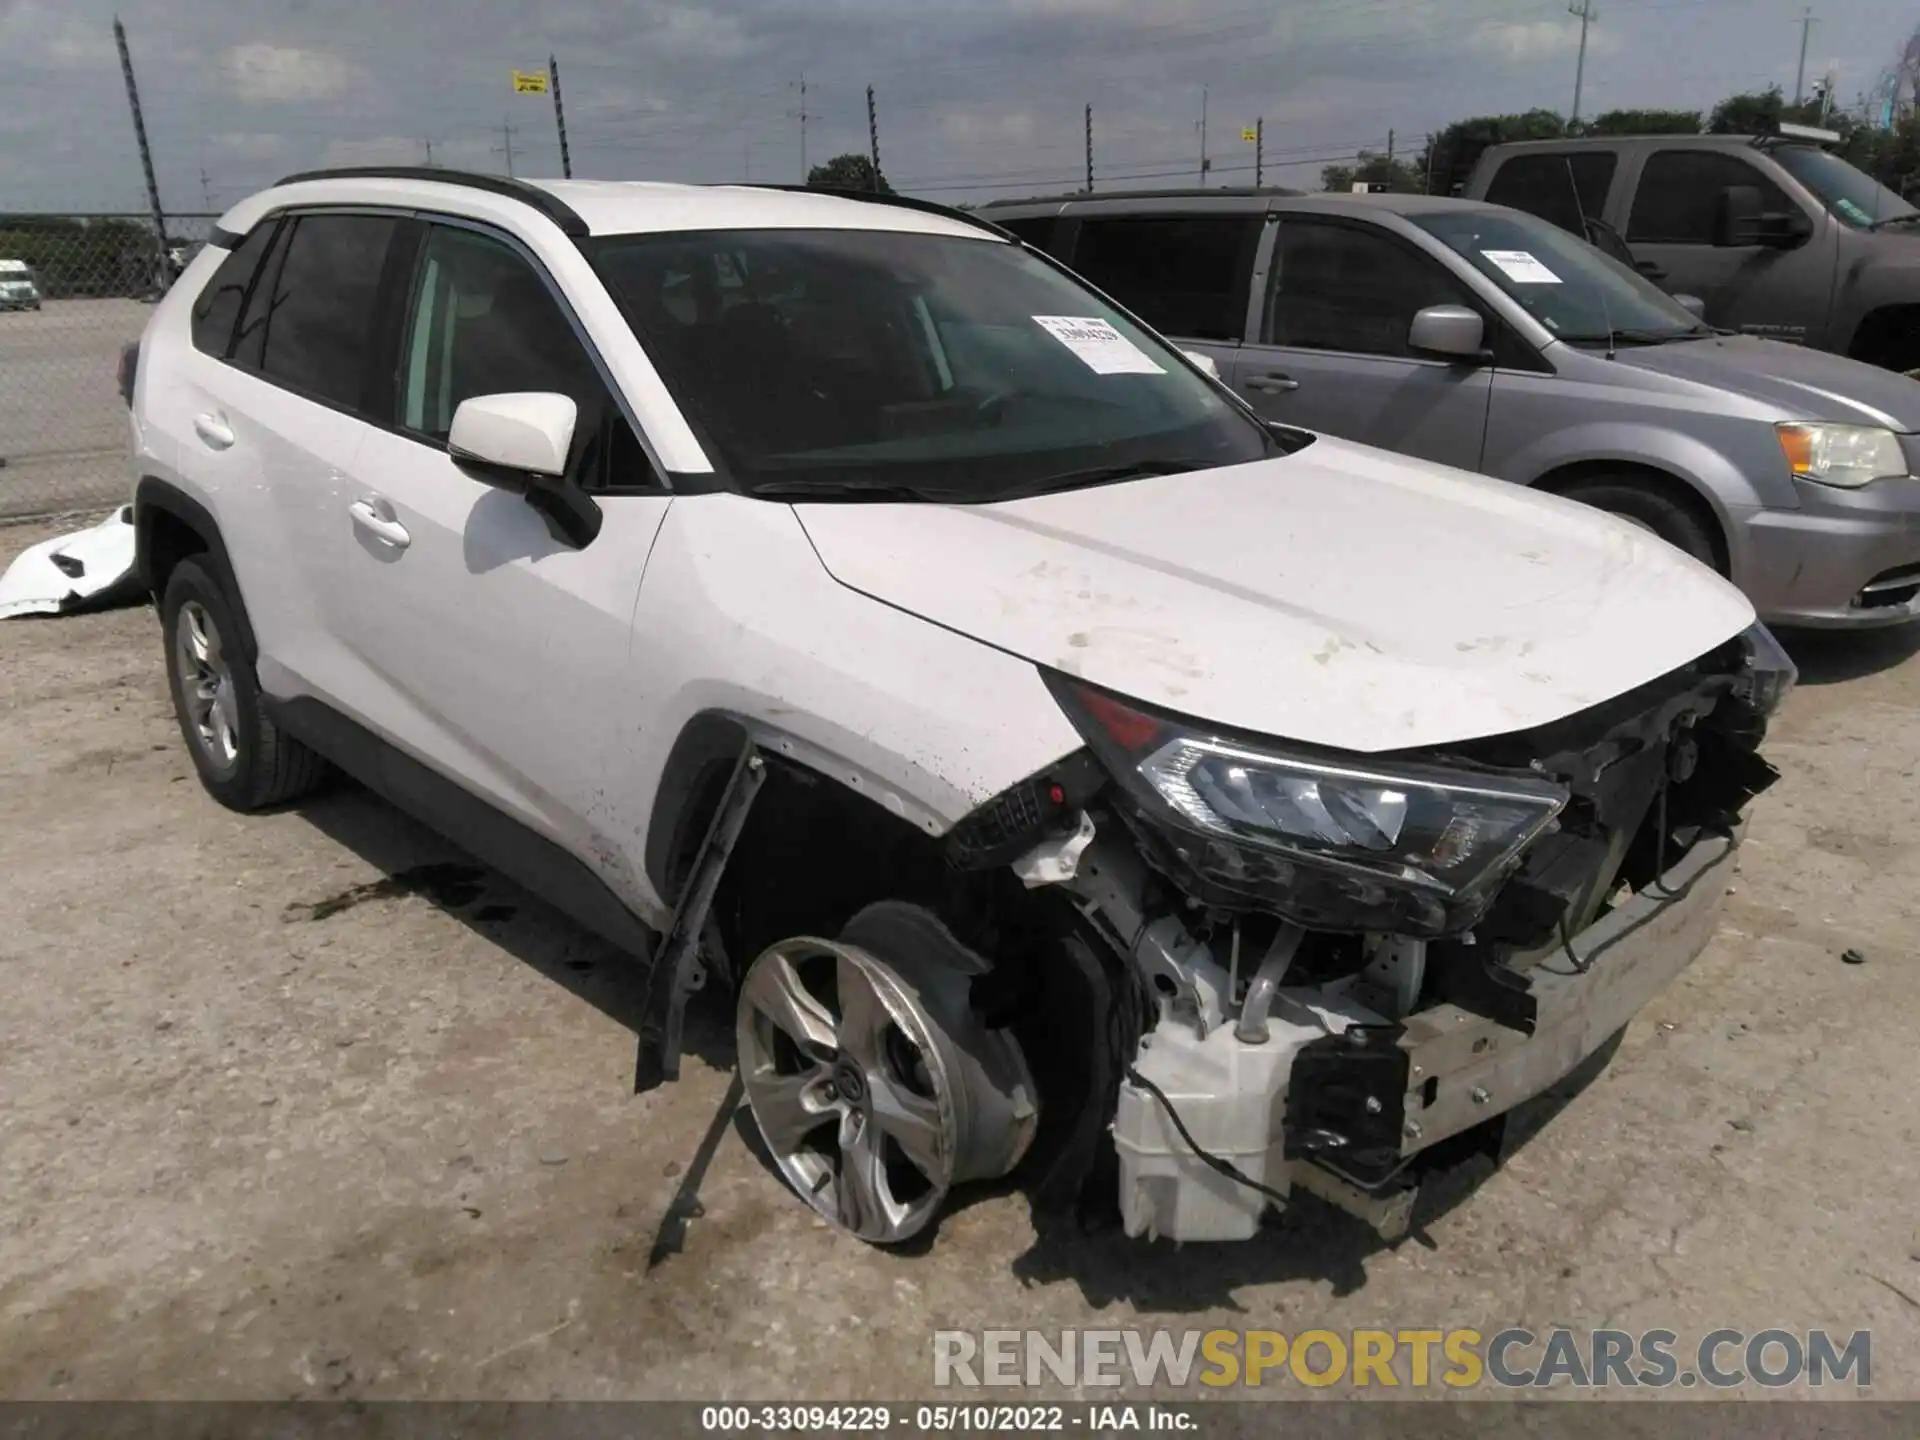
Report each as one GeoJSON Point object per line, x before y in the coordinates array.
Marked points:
{"type": "Point", "coordinates": [218, 309]}
{"type": "Point", "coordinates": [316, 327]}
{"type": "Point", "coordinates": [1560, 188]}
{"type": "Point", "coordinates": [1184, 275]}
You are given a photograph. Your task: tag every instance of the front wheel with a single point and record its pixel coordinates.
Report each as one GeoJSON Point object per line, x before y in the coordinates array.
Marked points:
{"type": "Point", "coordinates": [1680, 523]}
{"type": "Point", "coordinates": [244, 760]}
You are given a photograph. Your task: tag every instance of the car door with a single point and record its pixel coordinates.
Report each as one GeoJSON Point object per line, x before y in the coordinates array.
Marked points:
{"type": "Point", "coordinates": [276, 418]}
{"type": "Point", "coordinates": [1332, 352]}
{"type": "Point", "coordinates": [1186, 275]}
{"type": "Point", "coordinates": [487, 647]}
{"type": "Point", "coordinates": [1759, 289]}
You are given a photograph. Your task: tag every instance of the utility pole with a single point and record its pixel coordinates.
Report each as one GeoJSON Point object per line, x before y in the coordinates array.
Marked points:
{"type": "Point", "coordinates": [506, 145]}
{"type": "Point", "coordinates": [1800, 75]}
{"type": "Point", "coordinates": [1429, 189]}
{"type": "Point", "coordinates": [146, 153]}
{"type": "Point", "coordinates": [429, 145]}
{"type": "Point", "coordinates": [1089, 147]}
{"type": "Point", "coordinates": [873, 138]}
{"type": "Point", "coordinates": [801, 115]}
{"type": "Point", "coordinates": [1259, 152]}
{"type": "Point", "coordinates": [1584, 9]}
{"type": "Point", "coordinates": [560, 118]}
{"type": "Point", "coordinates": [206, 189]}
{"type": "Point", "coordinates": [1389, 152]}
{"type": "Point", "coordinates": [1204, 165]}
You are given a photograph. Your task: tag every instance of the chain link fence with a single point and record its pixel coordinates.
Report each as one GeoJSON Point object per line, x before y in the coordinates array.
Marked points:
{"type": "Point", "coordinates": [75, 289]}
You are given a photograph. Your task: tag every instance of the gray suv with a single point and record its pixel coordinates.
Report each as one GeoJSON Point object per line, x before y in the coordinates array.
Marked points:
{"type": "Point", "coordinates": [1496, 341]}
{"type": "Point", "coordinates": [1778, 236]}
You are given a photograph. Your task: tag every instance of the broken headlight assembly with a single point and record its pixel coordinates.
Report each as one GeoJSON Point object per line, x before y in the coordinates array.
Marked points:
{"type": "Point", "coordinates": [1329, 840]}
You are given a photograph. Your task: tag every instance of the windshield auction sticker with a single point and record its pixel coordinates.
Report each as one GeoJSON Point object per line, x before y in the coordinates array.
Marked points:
{"type": "Point", "coordinates": [1103, 349]}
{"type": "Point", "coordinates": [1520, 267]}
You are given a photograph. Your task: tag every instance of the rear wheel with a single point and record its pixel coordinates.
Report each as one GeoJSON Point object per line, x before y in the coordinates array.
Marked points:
{"type": "Point", "coordinates": [1681, 523]}
{"type": "Point", "coordinates": [244, 760]}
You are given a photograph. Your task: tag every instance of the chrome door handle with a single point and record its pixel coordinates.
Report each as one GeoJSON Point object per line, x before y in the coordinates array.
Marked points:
{"type": "Point", "coordinates": [376, 517]}
{"type": "Point", "coordinates": [1273, 384]}
{"type": "Point", "coordinates": [213, 430]}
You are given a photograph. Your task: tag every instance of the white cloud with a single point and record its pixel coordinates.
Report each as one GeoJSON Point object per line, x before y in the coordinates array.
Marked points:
{"type": "Point", "coordinates": [249, 145]}
{"type": "Point", "coordinates": [689, 33]}
{"type": "Point", "coordinates": [379, 150]}
{"type": "Point", "coordinates": [1526, 41]}
{"type": "Point", "coordinates": [286, 73]}
{"type": "Point", "coordinates": [46, 36]}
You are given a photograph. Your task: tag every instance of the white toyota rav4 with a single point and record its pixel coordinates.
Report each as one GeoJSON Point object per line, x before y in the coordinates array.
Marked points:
{"type": "Point", "coordinates": [836, 603]}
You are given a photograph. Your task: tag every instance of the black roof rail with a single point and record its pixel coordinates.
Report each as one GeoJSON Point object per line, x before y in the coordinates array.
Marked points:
{"type": "Point", "coordinates": [1232, 192]}
{"type": "Point", "coordinates": [547, 203]}
{"type": "Point", "coordinates": [900, 202]}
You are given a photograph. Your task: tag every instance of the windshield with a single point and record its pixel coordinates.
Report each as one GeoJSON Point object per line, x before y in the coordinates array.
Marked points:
{"type": "Point", "coordinates": [1851, 194]}
{"type": "Point", "coordinates": [1562, 281]}
{"type": "Point", "coordinates": [829, 364]}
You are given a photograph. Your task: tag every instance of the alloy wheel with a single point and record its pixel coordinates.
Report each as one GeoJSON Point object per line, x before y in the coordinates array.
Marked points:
{"type": "Point", "coordinates": [206, 686]}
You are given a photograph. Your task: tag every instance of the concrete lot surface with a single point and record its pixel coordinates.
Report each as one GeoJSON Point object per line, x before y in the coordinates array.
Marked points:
{"type": "Point", "coordinates": [307, 1105]}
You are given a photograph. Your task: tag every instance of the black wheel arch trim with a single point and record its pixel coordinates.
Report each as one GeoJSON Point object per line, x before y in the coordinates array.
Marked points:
{"type": "Point", "coordinates": [154, 496]}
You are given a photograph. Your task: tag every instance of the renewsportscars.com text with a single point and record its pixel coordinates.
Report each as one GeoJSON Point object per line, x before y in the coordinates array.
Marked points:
{"type": "Point", "coordinates": [1411, 1359]}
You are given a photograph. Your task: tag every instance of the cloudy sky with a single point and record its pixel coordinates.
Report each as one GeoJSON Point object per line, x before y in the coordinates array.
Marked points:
{"type": "Point", "coordinates": [976, 97]}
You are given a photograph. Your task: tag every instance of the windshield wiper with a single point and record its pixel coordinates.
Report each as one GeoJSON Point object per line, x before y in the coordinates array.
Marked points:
{"type": "Point", "coordinates": [1906, 219]}
{"type": "Point", "coordinates": [1096, 475]}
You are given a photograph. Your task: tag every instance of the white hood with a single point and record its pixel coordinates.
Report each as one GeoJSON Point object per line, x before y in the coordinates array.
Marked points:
{"type": "Point", "coordinates": [1341, 596]}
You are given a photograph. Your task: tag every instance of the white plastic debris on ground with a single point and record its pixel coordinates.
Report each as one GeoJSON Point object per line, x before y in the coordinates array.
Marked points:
{"type": "Point", "coordinates": [88, 570]}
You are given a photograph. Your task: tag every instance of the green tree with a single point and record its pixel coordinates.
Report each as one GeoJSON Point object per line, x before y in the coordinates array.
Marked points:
{"type": "Point", "coordinates": [852, 171]}
{"type": "Point", "coordinates": [1755, 111]}
{"type": "Point", "coordinates": [1452, 154]}
{"type": "Point", "coordinates": [1644, 122]}
{"type": "Point", "coordinates": [1400, 176]}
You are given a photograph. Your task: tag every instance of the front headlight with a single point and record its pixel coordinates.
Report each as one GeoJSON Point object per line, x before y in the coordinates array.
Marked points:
{"type": "Point", "coordinates": [1845, 455]}
{"type": "Point", "coordinates": [1424, 828]}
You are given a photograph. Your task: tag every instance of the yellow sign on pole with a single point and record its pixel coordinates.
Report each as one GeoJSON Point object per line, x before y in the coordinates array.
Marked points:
{"type": "Point", "coordinates": [1249, 134]}
{"type": "Point", "coordinates": [525, 83]}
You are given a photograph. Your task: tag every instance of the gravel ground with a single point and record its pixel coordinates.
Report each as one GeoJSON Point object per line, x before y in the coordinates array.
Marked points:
{"type": "Point", "coordinates": [308, 1105]}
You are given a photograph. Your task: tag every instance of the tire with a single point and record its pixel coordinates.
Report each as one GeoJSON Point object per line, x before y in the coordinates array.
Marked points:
{"type": "Point", "coordinates": [1679, 523]}
{"type": "Point", "coordinates": [244, 760]}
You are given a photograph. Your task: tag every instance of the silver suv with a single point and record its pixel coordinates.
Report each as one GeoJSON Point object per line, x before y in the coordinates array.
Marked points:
{"type": "Point", "coordinates": [1492, 340]}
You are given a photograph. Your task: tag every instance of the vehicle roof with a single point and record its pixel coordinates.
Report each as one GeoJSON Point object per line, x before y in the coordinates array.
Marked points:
{"type": "Point", "coordinates": [14, 265]}
{"type": "Point", "coordinates": [1323, 201]}
{"type": "Point", "coordinates": [608, 207]}
{"type": "Point", "coordinates": [1596, 142]}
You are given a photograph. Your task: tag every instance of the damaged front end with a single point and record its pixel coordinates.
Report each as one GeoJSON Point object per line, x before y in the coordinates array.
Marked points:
{"type": "Point", "coordinates": [1346, 960]}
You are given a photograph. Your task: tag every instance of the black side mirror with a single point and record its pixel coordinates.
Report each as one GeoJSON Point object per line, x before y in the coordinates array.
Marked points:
{"type": "Point", "coordinates": [1736, 216]}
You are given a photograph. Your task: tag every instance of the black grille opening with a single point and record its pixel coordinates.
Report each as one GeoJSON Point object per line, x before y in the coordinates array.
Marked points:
{"type": "Point", "coordinates": [1892, 587]}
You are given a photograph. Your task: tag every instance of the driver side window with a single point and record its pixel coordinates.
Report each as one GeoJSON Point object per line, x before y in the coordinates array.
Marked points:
{"type": "Point", "coordinates": [1349, 288]}
{"type": "Point", "coordinates": [484, 322]}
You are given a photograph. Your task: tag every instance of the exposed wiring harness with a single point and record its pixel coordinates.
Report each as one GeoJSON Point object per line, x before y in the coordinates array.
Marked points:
{"type": "Point", "coordinates": [1211, 1161]}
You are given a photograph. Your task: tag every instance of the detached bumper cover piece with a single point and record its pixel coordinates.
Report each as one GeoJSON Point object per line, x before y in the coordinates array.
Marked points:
{"type": "Point", "coordinates": [91, 570]}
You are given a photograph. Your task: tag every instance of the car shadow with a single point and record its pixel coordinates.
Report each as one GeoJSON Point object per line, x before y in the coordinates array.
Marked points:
{"type": "Point", "coordinates": [1831, 657]}
{"type": "Point", "coordinates": [417, 861]}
